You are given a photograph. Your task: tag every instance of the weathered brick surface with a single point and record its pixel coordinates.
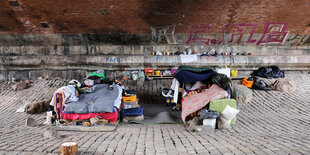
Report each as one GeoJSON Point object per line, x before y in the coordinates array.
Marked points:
{"type": "Point", "coordinates": [272, 123]}
{"type": "Point", "coordinates": [137, 16]}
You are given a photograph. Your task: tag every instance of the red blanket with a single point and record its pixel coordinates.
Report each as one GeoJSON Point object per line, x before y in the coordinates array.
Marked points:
{"type": "Point", "coordinates": [196, 102]}
{"type": "Point", "coordinates": [112, 117]}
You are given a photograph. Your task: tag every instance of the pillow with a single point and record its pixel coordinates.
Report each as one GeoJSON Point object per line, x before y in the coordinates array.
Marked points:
{"type": "Point", "coordinates": [229, 113]}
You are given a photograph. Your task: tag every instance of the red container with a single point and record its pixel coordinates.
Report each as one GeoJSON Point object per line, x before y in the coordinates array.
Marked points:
{"type": "Point", "coordinates": [149, 71]}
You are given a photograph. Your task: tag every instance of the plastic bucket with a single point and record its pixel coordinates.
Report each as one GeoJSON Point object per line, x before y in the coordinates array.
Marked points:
{"type": "Point", "coordinates": [157, 72]}
{"type": "Point", "coordinates": [234, 73]}
{"type": "Point", "coordinates": [210, 122]}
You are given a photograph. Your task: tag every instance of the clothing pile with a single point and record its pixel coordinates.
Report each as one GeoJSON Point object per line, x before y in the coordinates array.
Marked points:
{"type": "Point", "coordinates": [268, 72]}
{"type": "Point", "coordinates": [98, 99]}
{"type": "Point", "coordinates": [131, 110]}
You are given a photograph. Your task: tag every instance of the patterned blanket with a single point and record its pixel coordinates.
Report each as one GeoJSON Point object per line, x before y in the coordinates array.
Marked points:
{"type": "Point", "coordinates": [196, 102]}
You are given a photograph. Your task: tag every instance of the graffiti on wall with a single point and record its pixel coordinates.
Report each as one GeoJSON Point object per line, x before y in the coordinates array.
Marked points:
{"type": "Point", "coordinates": [112, 60]}
{"type": "Point", "coordinates": [274, 33]}
{"type": "Point", "coordinates": [241, 33]}
{"type": "Point", "coordinates": [164, 35]}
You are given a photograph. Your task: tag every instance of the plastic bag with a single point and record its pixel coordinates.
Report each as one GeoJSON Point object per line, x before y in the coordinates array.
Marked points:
{"type": "Point", "coordinates": [284, 85]}
{"type": "Point", "coordinates": [223, 123]}
{"type": "Point", "coordinates": [262, 85]}
{"type": "Point", "coordinates": [208, 114]}
{"type": "Point", "coordinates": [229, 113]}
{"type": "Point", "coordinates": [134, 75]}
{"type": "Point", "coordinates": [141, 78]}
{"type": "Point", "coordinates": [126, 75]}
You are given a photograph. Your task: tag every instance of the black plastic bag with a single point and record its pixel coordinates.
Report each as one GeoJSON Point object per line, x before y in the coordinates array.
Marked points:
{"type": "Point", "coordinates": [208, 114]}
{"type": "Point", "coordinates": [261, 85]}
{"type": "Point", "coordinates": [222, 80]}
{"type": "Point", "coordinates": [269, 72]}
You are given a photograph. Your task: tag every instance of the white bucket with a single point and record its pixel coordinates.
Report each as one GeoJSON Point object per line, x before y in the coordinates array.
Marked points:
{"type": "Point", "coordinates": [210, 122]}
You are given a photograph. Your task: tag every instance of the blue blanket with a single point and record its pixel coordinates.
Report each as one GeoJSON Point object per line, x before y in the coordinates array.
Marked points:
{"type": "Point", "coordinates": [98, 99]}
{"type": "Point", "coordinates": [186, 76]}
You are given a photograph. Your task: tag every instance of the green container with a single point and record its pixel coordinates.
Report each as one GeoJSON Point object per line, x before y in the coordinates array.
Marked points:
{"type": "Point", "coordinates": [220, 105]}
{"type": "Point", "coordinates": [101, 75]}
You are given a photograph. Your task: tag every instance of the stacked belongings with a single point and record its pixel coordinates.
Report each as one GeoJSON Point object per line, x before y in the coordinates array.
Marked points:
{"type": "Point", "coordinates": [199, 87]}
{"type": "Point", "coordinates": [131, 110]}
{"type": "Point", "coordinates": [99, 100]}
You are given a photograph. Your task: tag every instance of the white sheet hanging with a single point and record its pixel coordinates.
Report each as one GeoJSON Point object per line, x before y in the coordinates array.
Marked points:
{"type": "Point", "coordinates": [175, 86]}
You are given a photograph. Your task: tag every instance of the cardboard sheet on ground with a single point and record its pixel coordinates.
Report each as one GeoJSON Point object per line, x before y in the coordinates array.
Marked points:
{"type": "Point", "coordinates": [198, 101]}
{"type": "Point", "coordinates": [98, 128]}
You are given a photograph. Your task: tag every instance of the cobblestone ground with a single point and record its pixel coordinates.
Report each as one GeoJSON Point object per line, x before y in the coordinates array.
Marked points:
{"type": "Point", "coordinates": [272, 123]}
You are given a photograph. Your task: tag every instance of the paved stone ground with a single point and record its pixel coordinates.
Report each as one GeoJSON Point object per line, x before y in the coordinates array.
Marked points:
{"type": "Point", "coordinates": [272, 123]}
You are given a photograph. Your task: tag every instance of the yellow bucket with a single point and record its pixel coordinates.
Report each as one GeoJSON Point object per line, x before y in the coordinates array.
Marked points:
{"type": "Point", "coordinates": [234, 73]}
{"type": "Point", "coordinates": [157, 72]}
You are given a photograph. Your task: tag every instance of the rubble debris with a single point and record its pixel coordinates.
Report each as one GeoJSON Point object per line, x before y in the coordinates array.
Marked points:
{"type": "Point", "coordinates": [51, 133]}
{"type": "Point", "coordinates": [201, 128]}
{"type": "Point", "coordinates": [31, 122]}
{"type": "Point", "coordinates": [21, 85]}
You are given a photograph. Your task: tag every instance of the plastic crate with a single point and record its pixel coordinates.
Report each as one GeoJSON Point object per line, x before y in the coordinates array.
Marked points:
{"type": "Point", "coordinates": [101, 75]}
{"type": "Point", "coordinates": [130, 98]}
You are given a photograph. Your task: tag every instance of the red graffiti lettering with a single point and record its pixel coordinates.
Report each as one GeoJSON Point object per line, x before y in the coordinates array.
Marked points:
{"type": "Point", "coordinates": [274, 33]}
{"type": "Point", "coordinates": [238, 30]}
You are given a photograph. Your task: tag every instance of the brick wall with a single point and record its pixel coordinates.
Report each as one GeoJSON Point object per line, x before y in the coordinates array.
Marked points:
{"type": "Point", "coordinates": [137, 16]}
{"type": "Point", "coordinates": [57, 36]}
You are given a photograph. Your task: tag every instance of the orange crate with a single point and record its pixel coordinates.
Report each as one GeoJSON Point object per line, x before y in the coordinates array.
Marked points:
{"type": "Point", "coordinates": [130, 98]}
{"type": "Point", "coordinates": [149, 71]}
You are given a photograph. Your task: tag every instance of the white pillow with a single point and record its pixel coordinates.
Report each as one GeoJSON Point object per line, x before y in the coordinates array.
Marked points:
{"type": "Point", "coordinates": [229, 113]}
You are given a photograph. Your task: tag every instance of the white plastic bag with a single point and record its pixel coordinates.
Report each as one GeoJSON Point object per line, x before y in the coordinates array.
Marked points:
{"type": "Point", "coordinates": [229, 113]}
